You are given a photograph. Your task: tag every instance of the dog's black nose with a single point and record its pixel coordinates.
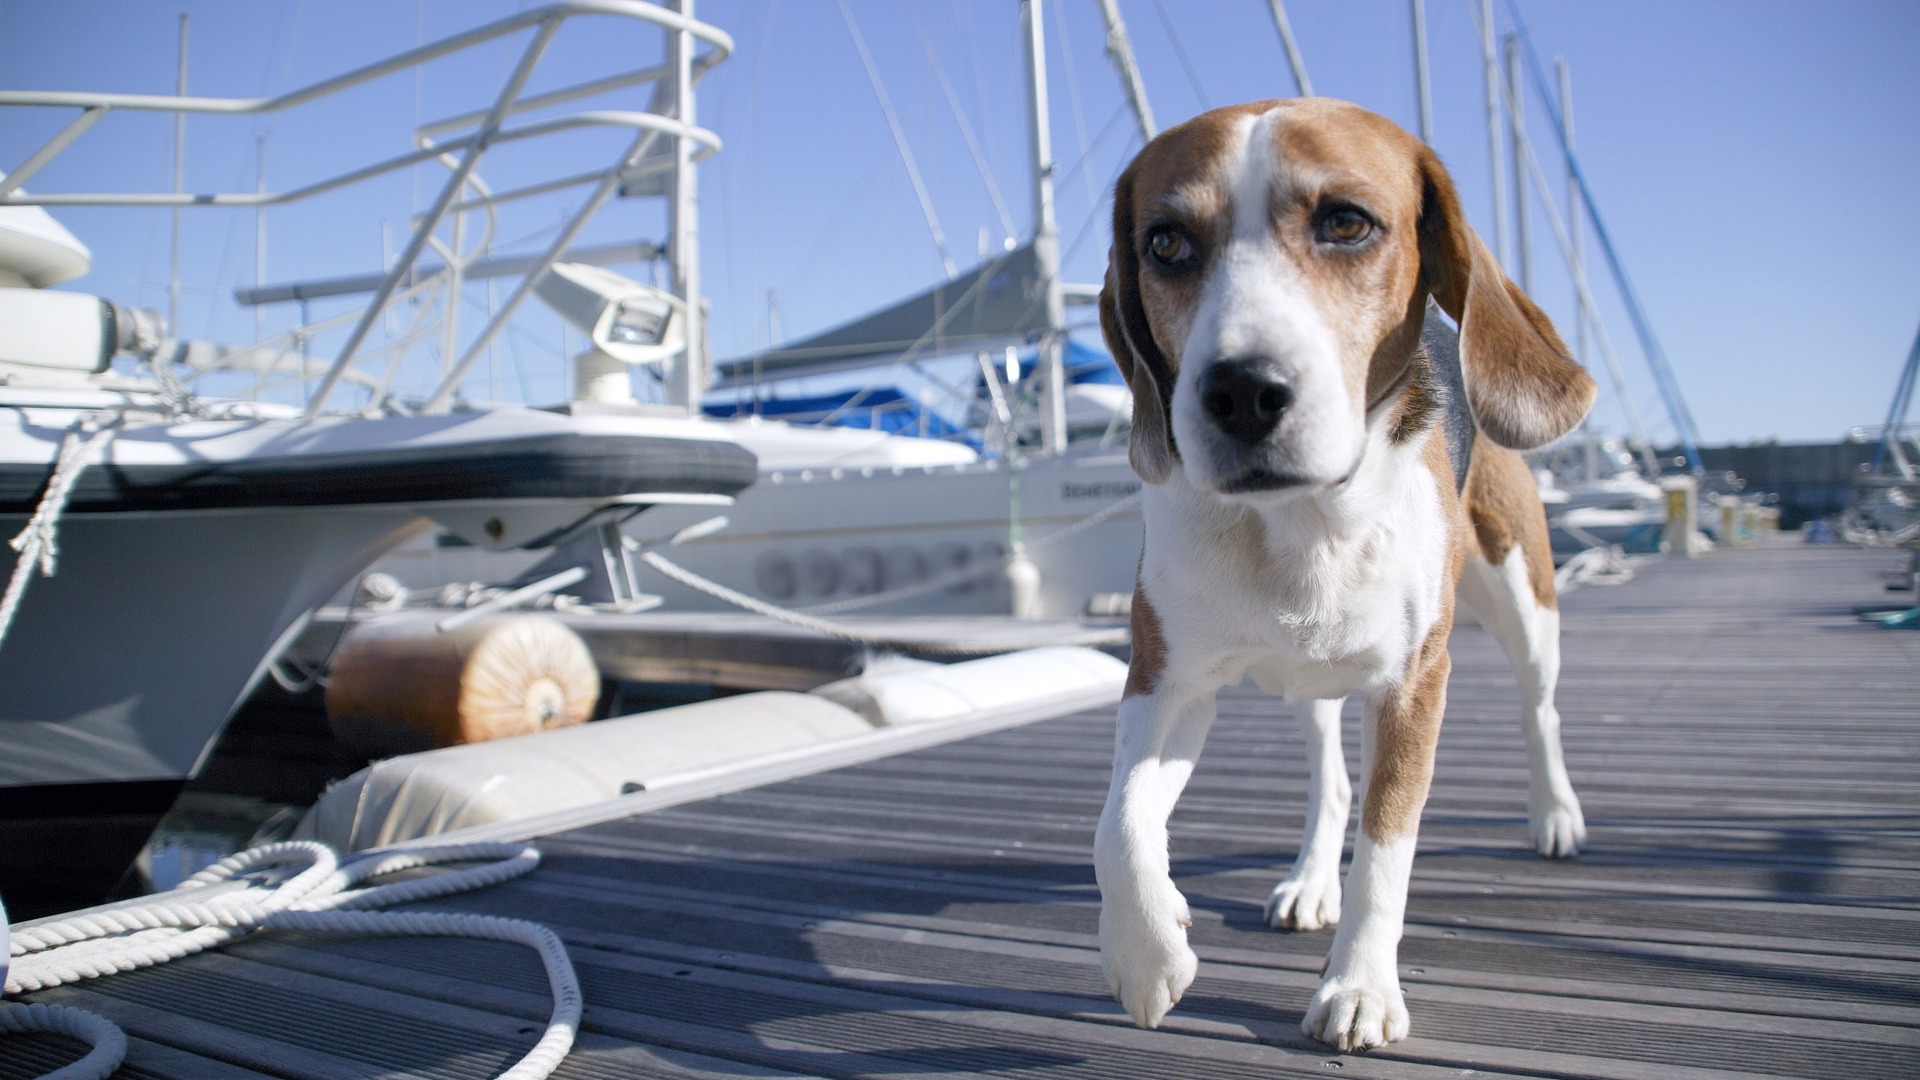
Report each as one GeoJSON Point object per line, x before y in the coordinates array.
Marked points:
{"type": "Point", "coordinates": [1246, 396]}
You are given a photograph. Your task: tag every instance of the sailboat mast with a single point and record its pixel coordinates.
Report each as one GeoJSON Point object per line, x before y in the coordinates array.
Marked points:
{"type": "Point", "coordinates": [1046, 236]}
{"type": "Point", "coordinates": [1497, 173]}
{"type": "Point", "coordinates": [1516, 110]}
{"type": "Point", "coordinates": [1294, 61]}
{"type": "Point", "coordinates": [1120, 48]}
{"type": "Point", "coordinates": [1423, 85]}
{"type": "Point", "coordinates": [1573, 209]}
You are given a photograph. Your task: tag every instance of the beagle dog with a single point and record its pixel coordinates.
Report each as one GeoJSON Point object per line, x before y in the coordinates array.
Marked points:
{"type": "Point", "coordinates": [1310, 512]}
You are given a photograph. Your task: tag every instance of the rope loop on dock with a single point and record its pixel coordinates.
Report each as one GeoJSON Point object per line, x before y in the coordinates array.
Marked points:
{"type": "Point", "coordinates": [107, 1044]}
{"type": "Point", "coordinates": [297, 885]}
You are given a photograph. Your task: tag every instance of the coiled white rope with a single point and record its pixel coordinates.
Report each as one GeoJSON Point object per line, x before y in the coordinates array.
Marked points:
{"type": "Point", "coordinates": [303, 887]}
{"type": "Point", "coordinates": [37, 543]}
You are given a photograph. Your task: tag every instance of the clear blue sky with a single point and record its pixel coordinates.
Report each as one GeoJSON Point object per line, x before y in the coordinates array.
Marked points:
{"type": "Point", "coordinates": [1754, 160]}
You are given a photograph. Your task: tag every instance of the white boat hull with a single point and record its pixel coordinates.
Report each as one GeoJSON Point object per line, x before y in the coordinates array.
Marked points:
{"type": "Point", "coordinates": [835, 536]}
{"type": "Point", "coordinates": [190, 552]}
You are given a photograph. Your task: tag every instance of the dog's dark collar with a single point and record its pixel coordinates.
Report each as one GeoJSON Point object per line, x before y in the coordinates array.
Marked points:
{"type": "Point", "coordinates": [1443, 353]}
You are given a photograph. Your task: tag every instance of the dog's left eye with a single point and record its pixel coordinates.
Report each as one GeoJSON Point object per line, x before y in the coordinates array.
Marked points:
{"type": "Point", "coordinates": [1169, 247]}
{"type": "Point", "coordinates": [1344, 225]}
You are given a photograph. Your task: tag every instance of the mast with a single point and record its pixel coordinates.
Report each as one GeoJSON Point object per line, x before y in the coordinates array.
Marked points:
{"type": "Point", "coordinates": [1574, 254]}
{"type": "Point", "coordinates": [1497, 173]}
{"type": "Point", "coordinates": [1663, 377]}
{"type": "Point", "coordinates": [1423, 84]}
{"type": "Point", "coordinates": [1046, 236]}
{"type": "Point", "coordinates": [1516, 112]}
{"type": "Point", "coordinates": [1294, 60]}
{"type": "Point", "coordinates": [1573, 206]}
{"type": "Point", "coordinates": [1120, 50]}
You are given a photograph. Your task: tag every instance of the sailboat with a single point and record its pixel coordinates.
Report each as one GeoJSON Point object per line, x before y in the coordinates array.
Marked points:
{"type": "Point", "coordinates": [1025, 506]}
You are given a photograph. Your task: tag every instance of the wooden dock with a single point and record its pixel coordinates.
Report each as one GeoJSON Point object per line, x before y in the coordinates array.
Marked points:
{"type": "Point", "coordinates": [1749, 905]}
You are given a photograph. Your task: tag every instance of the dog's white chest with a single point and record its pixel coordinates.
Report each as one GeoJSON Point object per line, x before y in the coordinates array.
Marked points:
{"type": "Point", "coordinates": [1342, 617]}
{"type": "Point", "coordinates": [1308, 607]}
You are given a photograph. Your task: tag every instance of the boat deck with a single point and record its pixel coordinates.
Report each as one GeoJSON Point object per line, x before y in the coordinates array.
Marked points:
{"type": "Point", "coordinates": [1749, 905]}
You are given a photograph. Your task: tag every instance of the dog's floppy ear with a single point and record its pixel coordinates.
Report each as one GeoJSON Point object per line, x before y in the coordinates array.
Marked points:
{"type": "Point", "coordinates": [1123, 322]}
{"type": "Point", "coordinates": [1523, 387]}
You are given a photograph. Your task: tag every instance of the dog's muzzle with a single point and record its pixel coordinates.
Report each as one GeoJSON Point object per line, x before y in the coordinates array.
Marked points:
{"type": "Point", "coordinates": [1245, 397]}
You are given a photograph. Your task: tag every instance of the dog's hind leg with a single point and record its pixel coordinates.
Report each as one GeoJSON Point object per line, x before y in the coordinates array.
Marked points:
{"type": "Point", "coordinates": [1505, 598]}
{"type": "Point", "coordinates": [1143, 917]}
{"type": "Point", "coordinates": [1308, 898]}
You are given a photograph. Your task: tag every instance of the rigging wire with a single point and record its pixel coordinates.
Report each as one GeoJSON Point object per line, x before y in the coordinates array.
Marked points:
{"type": "Point", "coordinates": [900, 141]}
{"type": "Point", "coordinates": [966, 132]}
{"type": "Point", "coordinates": [1087, 226]}
{"type": "Point", "coordinates": [1186, 62]}
{"type": "Point", "coordinates": [1663, 375]}
{"type": "Point", "coordinates": [1073, 99]}
{"type": "Point", "coordinates": [1294, 60]}
{"type": "Point", "coordinates": [1582, 291]}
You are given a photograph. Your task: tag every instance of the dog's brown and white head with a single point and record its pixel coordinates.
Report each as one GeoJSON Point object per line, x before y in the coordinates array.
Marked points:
{"type": "Point", "coordinates": [1269, 273]}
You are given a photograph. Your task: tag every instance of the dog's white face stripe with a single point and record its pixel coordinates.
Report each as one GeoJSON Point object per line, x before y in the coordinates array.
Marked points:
{"type": "Point", "coordinates": [1256, 302]}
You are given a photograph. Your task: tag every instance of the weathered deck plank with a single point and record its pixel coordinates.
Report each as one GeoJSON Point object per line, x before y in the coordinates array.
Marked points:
{"type": "Point", "coordinates": [1747, 751]}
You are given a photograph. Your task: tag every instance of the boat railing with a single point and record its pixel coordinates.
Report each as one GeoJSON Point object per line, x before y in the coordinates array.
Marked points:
{"type": "Point", "coordinates": [458, 143]}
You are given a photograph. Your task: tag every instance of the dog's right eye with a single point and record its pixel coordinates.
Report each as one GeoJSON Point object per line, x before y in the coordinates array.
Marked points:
{"type": "Point", "coordinates": [1169, 247]}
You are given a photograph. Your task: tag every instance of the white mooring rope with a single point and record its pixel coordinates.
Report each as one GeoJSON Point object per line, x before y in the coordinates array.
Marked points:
{"type": "Point", "coordinates": [304, 887]}
{"type": "Point", "coordinates": [809, 619]}
{"type": "Point", "coordinates": [37, 543]}
{"type": "Point", "coordinates": [686, 577]}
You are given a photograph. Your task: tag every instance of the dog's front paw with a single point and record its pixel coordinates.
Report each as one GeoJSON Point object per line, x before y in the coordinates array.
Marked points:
{"type": "Point", "coordinates": [1144, 952]}
{"type": "Point", "coordinates": [1556, 826]}
{"type": "Point", "coordinates": [1305, 901]}
{"type": "Point", "coordinates": [1357, 1015]}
